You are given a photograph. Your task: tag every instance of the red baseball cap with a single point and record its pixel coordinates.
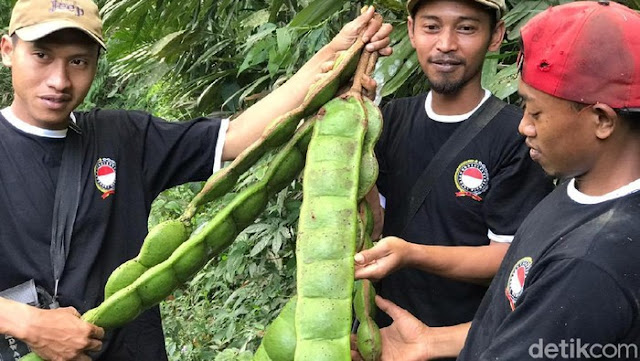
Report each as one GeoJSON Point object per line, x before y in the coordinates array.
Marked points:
{"type": "Point", "coordinates": [585, 51]}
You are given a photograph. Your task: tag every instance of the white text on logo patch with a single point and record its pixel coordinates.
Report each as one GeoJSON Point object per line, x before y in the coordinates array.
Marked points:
{"type": "Point", "coordinates": [472, 179]}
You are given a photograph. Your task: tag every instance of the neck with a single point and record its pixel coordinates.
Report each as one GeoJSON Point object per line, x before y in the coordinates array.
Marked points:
{"type": "Point", "coordinates": [463, 101]}
{"type": "Point", "coordinates": [612, 170]}
{"type": "Point", "coordinates": [26, 117]}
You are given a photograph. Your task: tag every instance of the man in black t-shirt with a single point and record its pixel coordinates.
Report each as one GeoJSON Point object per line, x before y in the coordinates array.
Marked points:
{"type": "Point", "coordinates": [438, 266]}
{"type": "Point", "coordinates": [569, 285]}
{"type": "Point", "coordinates": [126, 159]}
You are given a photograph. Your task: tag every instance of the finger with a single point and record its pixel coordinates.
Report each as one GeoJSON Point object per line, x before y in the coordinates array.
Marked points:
{"type": "Point", "coordinates": [372, 27]}
{"type": "Point", "coordinates": [386, 51]}
{"type": "Point", "coordinates": [369, 84]}
{"type": "Point", "coordinates": [370, 272]}
{"type": "Point", "coordinates": [82, 357]}
{"type": "Point", "coordinates": [355, 356]}
{"type": "Point", "coordinates": [378, 45]}
{"type": "Point", "coordinates": [327, 66]}
{"type": "Point", "coordinates": [97, 332]}
{"type": "Point", "coordinates": [94, 345]}
{"type": "Point", "coordinates": [371, 255]}
{"type": "Point", "coordinates": [394, 311]}
{"type": "Point", "coordinates": [383, 32]}
{"type": "Point", "coordinates": [365, 18]}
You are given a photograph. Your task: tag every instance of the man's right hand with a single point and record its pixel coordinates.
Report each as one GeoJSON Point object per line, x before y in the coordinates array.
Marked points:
{"type": "Point", "coordinates": [388, 255]}
{"type": "Point", "coordinates": [60, 334]}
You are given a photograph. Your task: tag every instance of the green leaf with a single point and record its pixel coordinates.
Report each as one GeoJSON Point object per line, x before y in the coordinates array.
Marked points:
{"type": "Point", "coordinates": [505, 83]}
{"type": "Point", "coordinates": [258, 54]}
{"type": "Point", "coordinates": [256, 19]}
{"type": "Point", "coordinates": [521, 14]}
{"type": "Point", "coordinates": [161, 45]}
{"type": "Point", "coordinates": [275, 9]}
{"type": "Point", "coordinates": [407, 70]}
{"type": "Point", "coordinates": [397, 6]}
{"type": "Point", "coordinates": [489, 69]}
{"type": "Point", "coordinates": [316, 12]}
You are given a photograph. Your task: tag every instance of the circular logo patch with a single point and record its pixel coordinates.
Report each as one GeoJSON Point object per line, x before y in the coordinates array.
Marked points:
{"type": "Point", "coordinates": [472, 179]}
{"type": "Point", "coordinates": [515, 283]}
{"type": "Point", "coordinates": [105, 176]}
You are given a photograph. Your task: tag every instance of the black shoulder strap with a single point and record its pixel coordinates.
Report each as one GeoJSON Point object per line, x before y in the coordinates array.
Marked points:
{"type": "Point", "coordinates": [451, 148]}
{"type": "Point", "coordinates": [67, 198]}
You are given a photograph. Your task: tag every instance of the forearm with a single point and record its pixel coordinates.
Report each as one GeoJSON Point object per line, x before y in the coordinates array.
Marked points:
{"type": "Point", "coordinates": [248, 127]}
{"type": "Point", "coordinates": [12, 316]}
{"type": "Point", "coordinates": [446, 341]}
{"type": "Point", "coordinates": [470, 264]}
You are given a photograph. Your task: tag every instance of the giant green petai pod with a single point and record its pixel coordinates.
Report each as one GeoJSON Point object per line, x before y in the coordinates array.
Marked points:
{"type": "Point", "coordinates": [327, 231]}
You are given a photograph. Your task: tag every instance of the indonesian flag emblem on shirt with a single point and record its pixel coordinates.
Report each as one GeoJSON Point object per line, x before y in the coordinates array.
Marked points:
{"type": "Point", "coordinates": [105, 176]}
{"type": "Point", "coordinates": [472, 179]}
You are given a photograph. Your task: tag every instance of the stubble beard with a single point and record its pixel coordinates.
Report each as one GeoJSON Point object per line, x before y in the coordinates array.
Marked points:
{"type": "Point", "coordinates": [451, 86]}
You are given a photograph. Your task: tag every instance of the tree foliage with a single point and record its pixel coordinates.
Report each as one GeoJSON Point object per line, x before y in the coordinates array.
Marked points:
{"type": "Point", "coordinates": [180, 59]}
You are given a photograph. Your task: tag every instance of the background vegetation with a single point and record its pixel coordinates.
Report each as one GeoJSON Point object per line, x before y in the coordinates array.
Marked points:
{"type": "Point", "coordinates": [180, 59]}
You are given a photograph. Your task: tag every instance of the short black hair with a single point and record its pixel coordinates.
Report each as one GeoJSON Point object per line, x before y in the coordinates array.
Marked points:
{"type": "Point", "coordinates": [631, 117]}
{"type": "Point", "coordinates": [493, 14]}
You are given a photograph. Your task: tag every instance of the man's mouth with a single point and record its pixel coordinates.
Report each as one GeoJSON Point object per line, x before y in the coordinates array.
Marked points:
{"type": "Point", "coordinates": [55, 102]}
{"type": "Point", "coordinates": [446, 64]}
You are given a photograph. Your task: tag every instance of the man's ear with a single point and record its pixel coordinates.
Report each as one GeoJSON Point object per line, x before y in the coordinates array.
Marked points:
{"type": "Point", "coordinates": [410, 30]}
{"type": "Point", "coordinates": [497, 36]}
{"type": "Point", "coordinates": [607, 120]}
{"type": "Point", "coordinates": [6, 47]}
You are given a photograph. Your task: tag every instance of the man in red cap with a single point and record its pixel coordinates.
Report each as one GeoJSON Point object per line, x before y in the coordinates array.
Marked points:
{"type": "Point", "coordinates": [124, 160]}
{"type": "Point", "coordinates": [569, 285]}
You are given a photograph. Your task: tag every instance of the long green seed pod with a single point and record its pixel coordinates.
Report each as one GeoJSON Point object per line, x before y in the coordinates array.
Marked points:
{"type": "Point", "coordinates": [278, 132]}
{"type": "Point", "coordinates": [327, 232]}
{"type": "Point", "coordinates": [158, 245]}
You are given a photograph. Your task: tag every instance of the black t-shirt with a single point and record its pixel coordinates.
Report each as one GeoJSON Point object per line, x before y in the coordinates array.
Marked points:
{"type": "Point", "coordinates": [485, 192]}
{"type": "Point", "coordinates": [569, 282]}
{"type": "Point", "coordinates": [128, 159]}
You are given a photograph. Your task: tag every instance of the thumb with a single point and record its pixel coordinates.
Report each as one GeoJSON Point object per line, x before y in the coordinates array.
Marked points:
{"type": "Point", "coordinates": [394, 311]}
{"type": "Point", "coordinates": [368, 256]}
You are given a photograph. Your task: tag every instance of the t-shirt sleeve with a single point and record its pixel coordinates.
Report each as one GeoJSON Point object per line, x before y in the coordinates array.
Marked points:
{"type": "Point", "coordinates": [174, 153]}
{"type": "Point", "coordinates": [571, 303]}
{"type": "Point", "coordinates": [515, 190]}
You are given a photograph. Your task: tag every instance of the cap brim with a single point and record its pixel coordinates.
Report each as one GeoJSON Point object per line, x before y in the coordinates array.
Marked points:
{"type": "Point", "coordinates": [39, 31]}
{"type": "Point", "coordinates": [499, 11]}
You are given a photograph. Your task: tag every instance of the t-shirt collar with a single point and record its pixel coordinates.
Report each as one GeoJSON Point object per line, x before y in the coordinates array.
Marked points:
{"type": "Point", "coordinates": [582, 198]}
{"type": "Point", "coordinates": [428, 106]}
{"type": "Point", "coordinates": [10, 116]}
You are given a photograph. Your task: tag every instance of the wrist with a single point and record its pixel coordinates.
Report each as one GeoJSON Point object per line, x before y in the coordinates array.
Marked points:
{"type": "Point", "coordinates": [444, 342]}
{"type": "Point", "coordinates": [411, 254]}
